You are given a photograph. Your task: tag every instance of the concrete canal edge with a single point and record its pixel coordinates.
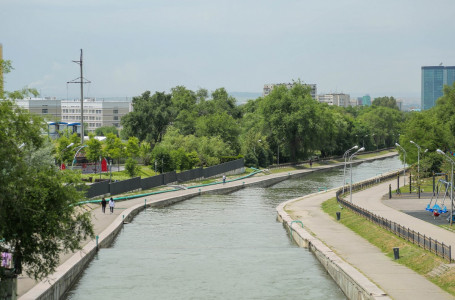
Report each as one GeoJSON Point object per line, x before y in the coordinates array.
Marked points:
{"type": "Point", "coordinates": [354, 284]}
{"type": "Point", "coordinates": [60, 282]}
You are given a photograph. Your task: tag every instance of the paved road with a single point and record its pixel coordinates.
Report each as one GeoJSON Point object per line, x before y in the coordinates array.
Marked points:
{"type": "Point", "coordinates": [398, 281]}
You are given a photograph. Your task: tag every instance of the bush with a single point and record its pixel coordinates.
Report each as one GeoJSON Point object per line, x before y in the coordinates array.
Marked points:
{"type": "Point", "coordinates": [131, 167]}
{"type": "Point", "coordinates": [251, 160]}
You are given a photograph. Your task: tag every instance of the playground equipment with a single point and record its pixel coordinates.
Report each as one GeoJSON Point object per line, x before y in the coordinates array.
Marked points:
{"type": "Point", "coordinates": [435, 208]}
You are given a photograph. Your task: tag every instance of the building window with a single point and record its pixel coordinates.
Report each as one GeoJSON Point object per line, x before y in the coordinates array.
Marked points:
{"type": "Point", "coordinates": [115, 124]}
{"type": "Point", "coordinates": [44, 111]}
{"type": "Point", "coordinates": [115, 118]}
{"type": "Point", "coordinates": [98, 111]}
{"type": "Point", "coordinates": [115, 111]}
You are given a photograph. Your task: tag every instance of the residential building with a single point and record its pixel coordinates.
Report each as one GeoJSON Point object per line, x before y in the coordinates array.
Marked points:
{"type": "Point", "coordinates": [337, 99]}
{"type": "Point", "coordinates": [269, 87]}
{"type": "Point", "coordinates": [432, 82]}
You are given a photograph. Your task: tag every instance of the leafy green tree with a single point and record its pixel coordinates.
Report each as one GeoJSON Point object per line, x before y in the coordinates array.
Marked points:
{"type": "Point", "coordinates": [292, 115]}
{"type": "Point", "coordinates": [132, 147]}
{"type": "Point", "coordinates": [38, 216]}
{"type": "Point", "coordinates": [149, 118]}
{"type": "Point", "coordinates": [93, 151]}
{"type": "Point", "coordinates": [163, 159]}
{"type": "Point", "coordinates": [131, 167]}
{"type": "Point", "coordinates": [145, 153]}
{"type": "Point", "coordinates": [104, 130]}
{"type": "Point", "coordinates": [389, 102]}
{"type": "Point", "coordinates": [221, 125]}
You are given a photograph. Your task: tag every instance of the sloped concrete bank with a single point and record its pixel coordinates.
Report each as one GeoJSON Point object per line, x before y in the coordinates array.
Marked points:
{"type": "Point", "coordinates": [353, 283]}
{"type": "Point", "coordinates": [69, 272]}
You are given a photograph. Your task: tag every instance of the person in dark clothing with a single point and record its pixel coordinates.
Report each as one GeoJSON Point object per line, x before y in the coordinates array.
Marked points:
{"type": "Point", "coordinates": [103, 205]}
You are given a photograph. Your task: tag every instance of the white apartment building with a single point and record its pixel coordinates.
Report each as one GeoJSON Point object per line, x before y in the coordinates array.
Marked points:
{"type": "Point", "coordinates": [269, 87]}
{"type": "Point", "coordinates": [97, 112]}
{"type": "Point", "coordinates": [337, 99]}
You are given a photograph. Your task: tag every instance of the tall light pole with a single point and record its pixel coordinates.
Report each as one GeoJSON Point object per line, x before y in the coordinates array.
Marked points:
{"type": "Point", "coordinates": [345, 156]}
{"type": "Point", "coordinates": [350, 160]}
{"type": "Point", "coordinates": [451, 183]}
{"type": "Point", "coordinates": [66, 148]}
{"type": "Point", "coordinates": [418, 165]}
{"type": "Point", "coordinates": [77, 151]}
{"type": "Point", "coordinates": [404, 163]}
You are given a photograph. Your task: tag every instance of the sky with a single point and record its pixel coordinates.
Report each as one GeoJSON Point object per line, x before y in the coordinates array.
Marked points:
{"type": "Point", "coordinates": [357, 47]}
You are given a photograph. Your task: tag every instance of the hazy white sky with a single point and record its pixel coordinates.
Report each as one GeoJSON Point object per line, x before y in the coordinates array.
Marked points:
{"type": "Point", "coordinates": [350, 46]}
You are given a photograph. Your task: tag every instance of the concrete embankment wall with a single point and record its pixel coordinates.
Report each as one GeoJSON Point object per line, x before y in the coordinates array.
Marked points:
{"type": "Point", "coordinates": [68, 273]}
{"type": "Point", "coordinates": [353, 284]}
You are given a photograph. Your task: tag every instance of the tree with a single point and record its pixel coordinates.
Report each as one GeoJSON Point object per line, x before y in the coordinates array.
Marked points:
{"type": "Point", "coordinates": [93, 151]}
{"type": "Point", "coordinates": [39, 218]}
{"type": "Point", "coordinates": [292, 115]}
{"type": "Point", "coordinates": [132, 147]}
{"type": "Point", "coordinates": [132, 167]}
{"type": "Point", "coordinates": [389, 102]}
{"type": "Point", "coordinates": [105, 130]}
{"type": "Point", "coordinates": [149, 118]}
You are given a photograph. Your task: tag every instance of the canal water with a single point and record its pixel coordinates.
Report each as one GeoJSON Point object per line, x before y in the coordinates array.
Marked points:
{"type": "Point", "coordinates": [217, 247]}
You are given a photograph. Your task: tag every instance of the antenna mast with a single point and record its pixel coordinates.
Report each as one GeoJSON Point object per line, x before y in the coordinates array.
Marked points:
{"type": "Point", "coordinates": [82, 80]}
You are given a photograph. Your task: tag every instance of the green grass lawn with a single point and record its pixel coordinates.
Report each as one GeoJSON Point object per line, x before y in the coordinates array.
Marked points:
{"type": "Point", "coordinates": [411, 256]}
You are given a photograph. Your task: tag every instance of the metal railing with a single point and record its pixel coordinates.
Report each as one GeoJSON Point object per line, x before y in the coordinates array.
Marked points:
{"type": "Point", "coordinates": [425, 242]}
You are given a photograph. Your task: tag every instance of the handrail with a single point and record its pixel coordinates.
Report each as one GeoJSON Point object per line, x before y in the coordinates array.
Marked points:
{"type": "Point", "coordinates": [295, 221]}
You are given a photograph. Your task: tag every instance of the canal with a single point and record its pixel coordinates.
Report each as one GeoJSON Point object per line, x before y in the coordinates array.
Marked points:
{"type": "Point", "coordinates": [218, 247]}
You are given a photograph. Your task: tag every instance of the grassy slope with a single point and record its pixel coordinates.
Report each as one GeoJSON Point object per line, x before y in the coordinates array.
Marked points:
{"type": "Point", "coordinates": [411, 256]}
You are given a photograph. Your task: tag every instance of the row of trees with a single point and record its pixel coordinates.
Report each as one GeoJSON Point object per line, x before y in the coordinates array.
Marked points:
{"type": "Point", "coordinates": [287, 123]}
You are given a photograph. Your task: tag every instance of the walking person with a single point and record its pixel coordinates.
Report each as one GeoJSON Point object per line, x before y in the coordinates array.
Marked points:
{"type": "Point", "coordinates": [111, 205]}
{"type": "Point", "coordinates": [103, 205]}
{"type": "Point", "coordinates": [224, 179]}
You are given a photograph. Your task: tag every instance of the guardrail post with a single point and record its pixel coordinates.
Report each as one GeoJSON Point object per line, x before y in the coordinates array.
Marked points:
{"type": "Point", "coordinates": [390, 191]}
{"type": "Point", "coordinates": [145, 203]}
{"type": "Point", "coordinates": [97, 242]}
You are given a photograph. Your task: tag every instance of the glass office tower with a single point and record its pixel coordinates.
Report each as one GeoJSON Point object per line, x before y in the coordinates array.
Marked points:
{"type": "Point", "coordinates": [433, 80]}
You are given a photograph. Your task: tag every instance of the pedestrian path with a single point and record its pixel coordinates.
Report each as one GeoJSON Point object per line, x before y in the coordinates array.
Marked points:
{"type": "Point", "coordinates": [103, 222]}
{"type": "Point", "coordinates": [396, 280]}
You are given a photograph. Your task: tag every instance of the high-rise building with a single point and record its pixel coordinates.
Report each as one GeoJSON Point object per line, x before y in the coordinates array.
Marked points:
{"type": "Point", "coordinates": [366, 100]}
{"type": "Point", "coordinates": [269, 87]}
{"type": "Point", "coordinates": [433, 80]}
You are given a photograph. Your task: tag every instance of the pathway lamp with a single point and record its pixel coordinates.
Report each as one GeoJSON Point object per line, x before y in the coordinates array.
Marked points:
{"type": "Point", "coordinates": [345, 156]}
{"type": "Point", "coordinates": [404, 163]}
{"type": "Point", "coordinates": [418, 165]}
{"type": "Point", "coordinates": [61, 153]}
{"type": "Point", "coordinates": [350, 160]}
{"type": "Point", "coordinates": [452, 162]}
{"type": "Point", "coordinates": [77, 151]}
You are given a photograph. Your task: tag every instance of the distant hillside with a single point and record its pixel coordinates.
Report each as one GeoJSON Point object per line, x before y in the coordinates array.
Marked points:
{"type": "Point", "coordinates": [243, 97]}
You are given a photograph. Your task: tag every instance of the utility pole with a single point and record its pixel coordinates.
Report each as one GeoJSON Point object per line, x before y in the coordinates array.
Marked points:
{"type": "Point", "coordinates": [81, 81]}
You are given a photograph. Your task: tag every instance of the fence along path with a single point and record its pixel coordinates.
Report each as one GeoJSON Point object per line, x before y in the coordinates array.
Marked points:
{"type": "Point", "coordinates": [124, 186]}
{"type": "Point", "coordinates": [419, 232]}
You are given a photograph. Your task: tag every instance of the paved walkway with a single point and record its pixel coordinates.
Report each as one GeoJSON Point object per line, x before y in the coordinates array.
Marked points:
{"type": "Point", "coordinates": [398, 281]}
{"type": "Point", "coordinates": [102, 222]}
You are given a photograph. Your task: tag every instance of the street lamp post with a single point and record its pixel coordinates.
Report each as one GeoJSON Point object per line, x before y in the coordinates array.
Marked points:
{"type": "Point", "coordinates": [451, 183]}
{"type": "Point", "coordinates": [77, 151]}
{"type": "Point", "coordinates": [350, 160]}
{"type": "Point", "coordinates": [345, 156]}
{"type": "Point", "coordinates": [404, 163]}
{"type": "Point", "coordinates": [418, 165]}
{"type": "Point", "coordinates": [66, 148]}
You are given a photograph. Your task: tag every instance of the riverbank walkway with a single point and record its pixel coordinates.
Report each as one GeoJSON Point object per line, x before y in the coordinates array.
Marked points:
{"type": "Point", "coordinates": [308, 211]}
{"type": "Point", "coordinates": [396, 280]}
